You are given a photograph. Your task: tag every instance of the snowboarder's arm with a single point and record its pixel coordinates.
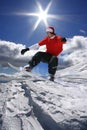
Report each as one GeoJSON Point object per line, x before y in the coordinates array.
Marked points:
{"type": "Point", "coordinates": [33, 47]}
{"type": "Point", "coordinates": [43, 41]}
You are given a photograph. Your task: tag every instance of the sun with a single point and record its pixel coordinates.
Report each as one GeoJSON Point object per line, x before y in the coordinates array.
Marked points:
{"type": "Point", "coordinates": [42, 15]}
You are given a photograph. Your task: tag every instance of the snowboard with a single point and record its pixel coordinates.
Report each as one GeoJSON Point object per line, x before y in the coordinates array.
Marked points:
{"type": "Point", "coordinates": [23, 69]}
{"type": "Point", "coordinates": [25, 74]}
{"type": "Point", "coordinates": [18, 68]}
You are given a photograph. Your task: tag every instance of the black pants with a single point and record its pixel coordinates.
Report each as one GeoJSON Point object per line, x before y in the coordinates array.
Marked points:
{"type": "Point", "coordinates": [47, 58]}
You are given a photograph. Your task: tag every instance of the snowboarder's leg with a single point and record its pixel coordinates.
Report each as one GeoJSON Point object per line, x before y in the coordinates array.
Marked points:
{"type": "Point", "coordinates": [52, 66]}
{"type": "Point", "coordinates": [38, 57]}
{"type": "Point", "coordinates": [35, 60]}
{"type": "Point", "coordinates": [47, 58]}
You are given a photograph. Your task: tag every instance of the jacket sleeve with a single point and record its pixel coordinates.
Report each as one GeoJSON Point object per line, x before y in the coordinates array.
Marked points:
{"type": "Point", "coordinates": [43, 42]}
{"type": "Point", "coordinates": [34, 47]}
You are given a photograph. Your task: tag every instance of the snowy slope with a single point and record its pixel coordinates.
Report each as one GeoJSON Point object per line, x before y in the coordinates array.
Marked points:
{"type": "Point", "coordinates": [30, 102]}
{"type": "Point", "coordinates": [16, 110]}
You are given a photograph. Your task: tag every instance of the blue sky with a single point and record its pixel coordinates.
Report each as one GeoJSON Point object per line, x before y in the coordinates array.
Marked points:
{"type": "Point", "coordinates": [18, 28]}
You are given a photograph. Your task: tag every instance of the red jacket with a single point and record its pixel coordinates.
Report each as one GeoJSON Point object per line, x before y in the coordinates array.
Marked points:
{"type": "Point", "coordinates": [54, 46]}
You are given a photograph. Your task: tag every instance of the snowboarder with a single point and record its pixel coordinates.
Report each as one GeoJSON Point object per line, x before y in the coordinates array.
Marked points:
{"type": "Point", "coordinates": [54, 46]}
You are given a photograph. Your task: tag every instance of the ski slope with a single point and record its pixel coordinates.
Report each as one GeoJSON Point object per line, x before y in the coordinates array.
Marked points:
{"type": "Point", "coordinates": [29, 102]}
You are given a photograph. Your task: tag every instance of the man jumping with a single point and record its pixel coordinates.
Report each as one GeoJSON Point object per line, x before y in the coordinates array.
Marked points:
{"type": "Point", "coordinates": [54, 46]}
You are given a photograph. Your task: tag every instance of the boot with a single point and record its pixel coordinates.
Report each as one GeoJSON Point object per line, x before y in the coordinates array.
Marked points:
{"type": "Point", "coordinates": [51, 78]}
{"type": "Point", "coordinates": [28, 68]}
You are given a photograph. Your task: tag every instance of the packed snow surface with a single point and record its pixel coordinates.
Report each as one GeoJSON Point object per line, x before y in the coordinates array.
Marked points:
{"type": "Point", "coordinates": [30, 102]}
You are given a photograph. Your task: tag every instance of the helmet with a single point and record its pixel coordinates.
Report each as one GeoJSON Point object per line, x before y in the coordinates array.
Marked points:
{"type": "Point", "coordinates": [50, 29]}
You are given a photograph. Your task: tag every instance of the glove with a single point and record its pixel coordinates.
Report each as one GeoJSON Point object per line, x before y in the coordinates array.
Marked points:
{"type": "Point", "coordinates": [63, 39]}
{"type": "Point", "coordinates": [24, 50]}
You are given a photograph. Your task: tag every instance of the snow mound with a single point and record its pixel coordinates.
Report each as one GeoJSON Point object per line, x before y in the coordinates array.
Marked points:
{"type": "Point", "coordinates": [30, 102]}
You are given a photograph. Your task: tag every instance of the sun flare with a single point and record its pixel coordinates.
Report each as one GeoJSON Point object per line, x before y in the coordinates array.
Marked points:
{"type": "Point", "coordinates": [42, 15]}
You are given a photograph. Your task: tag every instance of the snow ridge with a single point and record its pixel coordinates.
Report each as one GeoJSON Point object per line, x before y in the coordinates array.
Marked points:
{"type": "Point", "coordinates": [16, 111]}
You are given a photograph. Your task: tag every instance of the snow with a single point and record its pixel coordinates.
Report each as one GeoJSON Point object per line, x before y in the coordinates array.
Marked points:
{"type": "Point", "coordinates": [31, 102]}
{"type": "Point", "coordinates": [15, 107]}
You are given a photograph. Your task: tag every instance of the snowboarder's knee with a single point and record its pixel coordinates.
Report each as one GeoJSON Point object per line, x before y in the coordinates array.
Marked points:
{"type": "Point", "coordinates": [53, 60]}
{"type": "Point", "coordinates": [39, 53]}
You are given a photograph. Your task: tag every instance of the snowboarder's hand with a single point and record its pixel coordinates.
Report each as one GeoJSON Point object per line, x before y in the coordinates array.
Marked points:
{"type": "Point", "coordinates": [63, 39]}
{"type": "Point", "coordinates": [24, 50]}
